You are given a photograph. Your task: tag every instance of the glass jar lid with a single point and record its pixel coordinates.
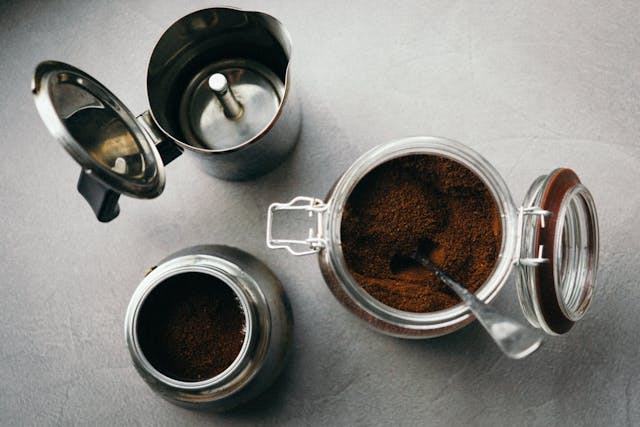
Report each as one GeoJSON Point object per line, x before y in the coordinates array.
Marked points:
{"type": "Point", "coordinates": [558, 251]}
{"type": "Point", "coordinates": [97, 130]}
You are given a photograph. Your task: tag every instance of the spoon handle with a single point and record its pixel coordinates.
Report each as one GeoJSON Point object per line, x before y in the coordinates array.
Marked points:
{"type": "Point", "coordinates": [514, 339]}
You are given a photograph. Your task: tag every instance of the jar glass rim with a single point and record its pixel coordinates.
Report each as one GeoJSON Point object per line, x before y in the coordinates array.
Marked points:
{"type": "Point", "coordinates": [429, 146]}
{"type": "Point", "coordinates": [580, 232]}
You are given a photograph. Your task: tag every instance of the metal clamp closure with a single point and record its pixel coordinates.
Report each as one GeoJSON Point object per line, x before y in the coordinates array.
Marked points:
{"type": "Point", "coordinates": [315, 241]}
{"type": "Point", "coordinates": [542, 214]}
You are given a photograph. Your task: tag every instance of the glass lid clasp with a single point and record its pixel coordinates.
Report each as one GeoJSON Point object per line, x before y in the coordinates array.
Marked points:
{"type": "Point", "coordinates": [531, 261]}
{"type": "Point", "coordinates": [315, 240]}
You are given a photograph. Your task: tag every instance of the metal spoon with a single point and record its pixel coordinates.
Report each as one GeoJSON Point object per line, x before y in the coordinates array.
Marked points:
{"type": "Point", "coordinates": [514, 339]}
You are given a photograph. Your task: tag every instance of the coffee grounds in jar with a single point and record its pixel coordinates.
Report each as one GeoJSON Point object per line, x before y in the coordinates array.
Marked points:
{"type": "Point", "coordinates": [420, 200]}
{"type": "Point", "coordinates": [191, 327]}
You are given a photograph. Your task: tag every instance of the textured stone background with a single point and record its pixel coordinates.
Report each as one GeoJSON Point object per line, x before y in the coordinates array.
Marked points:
{"type": "Point", "coordinates": [530, 85]}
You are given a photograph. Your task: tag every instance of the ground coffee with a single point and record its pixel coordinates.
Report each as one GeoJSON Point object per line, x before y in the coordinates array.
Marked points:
{"type": "Point", "coordinates": [414, 200]}
{"type": "Point", "coordinates": [191, 327]}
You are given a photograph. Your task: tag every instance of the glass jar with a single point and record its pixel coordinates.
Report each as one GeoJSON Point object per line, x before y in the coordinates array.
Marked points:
{"type": "Point", "coordinates": [552, 239]}
{"type": "Point", "coordinates": [267, 327]}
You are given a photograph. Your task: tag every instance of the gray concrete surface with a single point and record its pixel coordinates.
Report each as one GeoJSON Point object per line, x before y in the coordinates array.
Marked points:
{"type": "Point", "coordinates": [530, 85]}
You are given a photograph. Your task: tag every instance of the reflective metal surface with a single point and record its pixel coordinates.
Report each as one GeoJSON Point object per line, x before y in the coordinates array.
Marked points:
{"type": "Point", "coordinates": [198, 42]}
{"type": "Point", "coordinates": [234, 114]}
{"type": "Point", "coordinates": [242, 130]}
{"type": "Point", "coordinates": [220, 86]}
{"type": "Point", "coordinates": [97, 130]}
{"type": "Point", "coordinates": [268, 323]}
{"type": "Point", "coordinates": [514, 339]}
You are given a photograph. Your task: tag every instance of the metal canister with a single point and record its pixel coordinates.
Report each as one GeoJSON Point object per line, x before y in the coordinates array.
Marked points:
{"type": "Point", "coordinates": [267, 327]}
{"type": "Point", "coordinates": [219, 87]}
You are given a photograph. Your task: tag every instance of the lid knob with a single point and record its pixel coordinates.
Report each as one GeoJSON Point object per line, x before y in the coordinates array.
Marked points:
{"type": "Point", "coordinates": [232, 108]}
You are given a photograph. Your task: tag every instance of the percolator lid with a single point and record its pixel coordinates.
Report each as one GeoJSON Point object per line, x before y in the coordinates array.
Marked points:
{"type": "Point", "coordinates": [559, 251]}
{"type": "Point", "coordinates": [97, 130]}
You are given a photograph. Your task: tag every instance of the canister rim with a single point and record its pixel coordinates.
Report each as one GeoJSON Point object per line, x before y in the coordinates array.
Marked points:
{"type": "Point", "coordinates": [222, 270]}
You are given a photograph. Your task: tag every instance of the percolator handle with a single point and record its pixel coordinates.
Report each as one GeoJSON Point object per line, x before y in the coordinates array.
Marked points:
{"type": "Point", "coordinates": [103, 200]}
